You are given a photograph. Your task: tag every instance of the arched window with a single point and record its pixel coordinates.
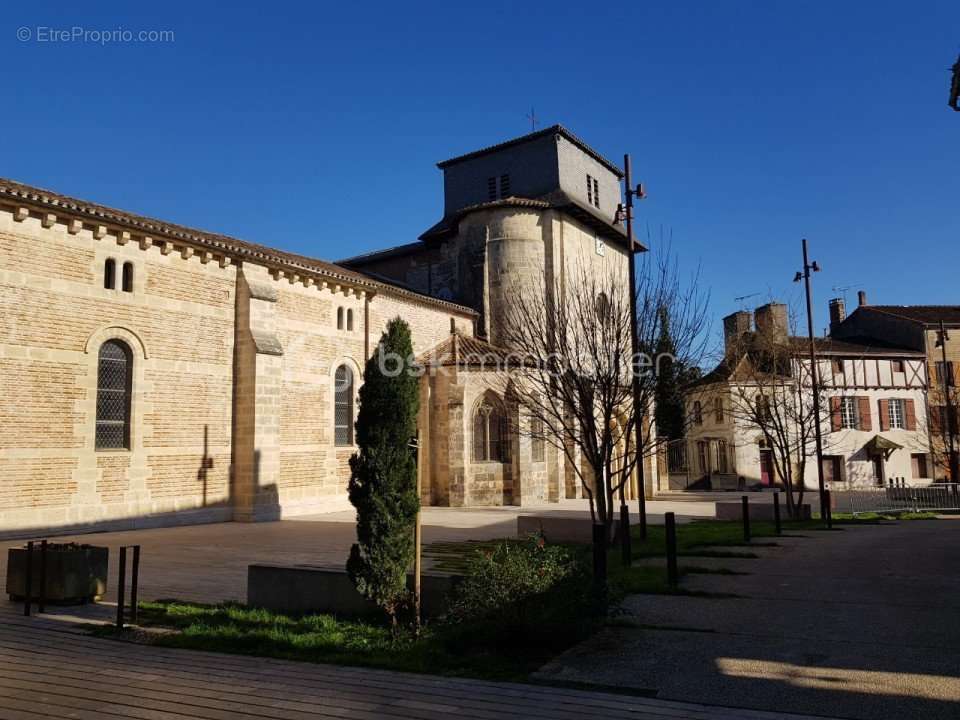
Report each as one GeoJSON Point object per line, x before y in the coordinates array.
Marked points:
{"type": "Point", "coordinates": [127, 277]}
{"type": "Point", "coordinates": [339, 318]}
{"type": "Point", "coordinates": [349, 319]}
{"type": "Point", "coordinates": [109, 273]}
{"type": "Point", "coordinates": [343, 406]}
{"type": "Point", "coordinates": [114, 388]}
{"type": "Point", "coordinates": [490, 439]}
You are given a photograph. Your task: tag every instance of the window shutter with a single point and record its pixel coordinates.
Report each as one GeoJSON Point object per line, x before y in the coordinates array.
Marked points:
{"type": "Point", "coordinates": [864, 407]}
{"type": "Point", "coordinates": [910, 413]}
{"type": "Point", "coordinates": [835, 414]}
{"type": "Point", "coordinates": [936, 419]}
{"type": "Point", "coordinates": [884, 415]}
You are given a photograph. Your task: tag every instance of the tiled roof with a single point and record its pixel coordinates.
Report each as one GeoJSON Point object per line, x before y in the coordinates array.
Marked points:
{"type": "Point", "coordinates": [462, 350]}
{"type": "Point", "coordinates": [396, 251]}
{"type": "Point", "coordinates": [49, 201]}
{"type": "Point", "coordinates": [924, 314]}
{"type": "Point", "coordinates": [853, 347]}
{"type": "Point", "coordinates": [557, 200]}
{"type": "Point", "coordinates": [738, 366]}
{"type": "Point", "coordinates": [552, 130]}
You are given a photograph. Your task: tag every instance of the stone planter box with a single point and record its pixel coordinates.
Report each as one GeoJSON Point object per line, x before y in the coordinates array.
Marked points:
{"type": "Point", "coordinates": [561, 529]}
{"type": "Point", "coordinates": [311, 589]}
{"type": "Point", "coordinates": [75, 573]}
{"type": "Point", "coordinates": [758, 511]}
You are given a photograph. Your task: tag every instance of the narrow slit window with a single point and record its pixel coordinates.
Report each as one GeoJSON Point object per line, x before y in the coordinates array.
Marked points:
{"type": "Point", "coordinates": [596, 193]}
{"type": "Point", "coordinates": [128, 277]}
{"type": "Point", "coordinates": [339, 318]}
{"type": "Point", "coordinates": [350, 320]}
{"type": "Point", "coordinates": [589, 190]}
{"type": "Point", "coordinates": [491, 188]}
{"type": "Point", "coordinates": [109, 273]}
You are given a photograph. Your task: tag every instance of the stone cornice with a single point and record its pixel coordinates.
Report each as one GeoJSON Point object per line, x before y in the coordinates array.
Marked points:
{"type": "Point", "coordinates": [24, 201]}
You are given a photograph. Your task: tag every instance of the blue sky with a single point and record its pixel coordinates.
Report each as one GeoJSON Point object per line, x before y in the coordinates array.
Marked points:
{"type": "Point", "coordinates": [315, 127]}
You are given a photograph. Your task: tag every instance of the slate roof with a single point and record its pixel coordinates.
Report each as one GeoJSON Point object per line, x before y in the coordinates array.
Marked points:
{"type": "Point", "coordinates": [48, 201]}
{"type": "Point", "coordinates": [552, 130]}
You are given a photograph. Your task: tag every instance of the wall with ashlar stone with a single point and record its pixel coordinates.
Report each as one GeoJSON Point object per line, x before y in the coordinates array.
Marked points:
{"type": "Point", "coordinates": [54, 315]}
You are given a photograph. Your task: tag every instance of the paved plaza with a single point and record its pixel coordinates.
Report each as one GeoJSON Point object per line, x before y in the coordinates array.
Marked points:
{"type": "Point", "coordinates": [208, 563]}
{"type": "Point", "coordinates": [859, 623]}
{"type": "Point", "coordinates": [50, 669]}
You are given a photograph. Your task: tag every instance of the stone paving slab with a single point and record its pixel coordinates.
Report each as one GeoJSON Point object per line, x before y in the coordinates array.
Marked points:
{"type": "Point", "coordinates": [862, 623]}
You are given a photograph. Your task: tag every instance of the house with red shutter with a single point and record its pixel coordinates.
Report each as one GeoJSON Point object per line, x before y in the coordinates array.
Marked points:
{"type": "Point", "coordinates": [872, 398]}
{"type": "Point", "coordinates": [933, 330]}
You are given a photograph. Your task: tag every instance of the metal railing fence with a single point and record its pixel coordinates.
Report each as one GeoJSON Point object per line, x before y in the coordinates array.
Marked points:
{"type": "Point", "coordinates": [898, 498]}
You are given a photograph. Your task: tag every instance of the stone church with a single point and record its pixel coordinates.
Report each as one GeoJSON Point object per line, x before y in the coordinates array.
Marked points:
{"type": "Point", "coordinates": [154, 374]}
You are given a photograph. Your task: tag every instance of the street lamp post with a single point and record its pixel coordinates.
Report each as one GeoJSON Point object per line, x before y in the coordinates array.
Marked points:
{"type": "Point", "coordinates": [809, 267]}
{"type": "Point", "coordinates": [630, 193]}
{"type": "Point", "coordinates": [948, 421]}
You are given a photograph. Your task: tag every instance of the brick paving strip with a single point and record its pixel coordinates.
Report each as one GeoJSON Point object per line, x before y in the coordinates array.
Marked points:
{"type": "Point", "coordinates": [52, 669]}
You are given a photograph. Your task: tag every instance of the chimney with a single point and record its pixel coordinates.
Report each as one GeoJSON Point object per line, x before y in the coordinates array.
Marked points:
{"type": "Point", "coordinates": [838, 313]}
{"type": "Point", "coordinates": [735, 326]}
{"type": "Point", "coordinates": [861, 298]}
{"type": "Point", "coordinates": [772, 318]}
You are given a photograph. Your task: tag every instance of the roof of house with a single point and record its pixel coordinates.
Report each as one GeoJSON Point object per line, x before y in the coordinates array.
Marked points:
{"type": "Point", "coordinates": [552, 130]}
{"type": "Point", "coordinates": [48, 201]}
{"type": "Point", "coordinates": [734, 366]}
{"type": "Point", "coordinates": [923, 314]}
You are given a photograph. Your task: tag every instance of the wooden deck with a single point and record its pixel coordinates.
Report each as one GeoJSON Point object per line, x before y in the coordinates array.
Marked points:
{"type": "Point", "coordinates": [50, 668]}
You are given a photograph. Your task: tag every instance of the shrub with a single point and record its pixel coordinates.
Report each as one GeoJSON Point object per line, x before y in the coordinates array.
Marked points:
{"type": "Point", "coordinates": [522, 592]}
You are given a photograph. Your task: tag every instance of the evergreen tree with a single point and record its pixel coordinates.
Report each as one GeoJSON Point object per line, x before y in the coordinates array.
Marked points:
{"type": "Point", "coordinates": [670, 410]}
{"type": "Point", "coordinates": [383, 474]}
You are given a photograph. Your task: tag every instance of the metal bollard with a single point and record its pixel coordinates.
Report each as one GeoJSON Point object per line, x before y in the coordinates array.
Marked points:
{"type": "Point", "coordinates": [670, 527]}
{"type": "Point", "coordinates": [121, 586]}
{"type": "Point", "coordinates": [42, 601]}
{"type": "Point", "coordinates": [28, 580]}
{"type": "Point", "coordinates": [134, 580]}
{"type": "Point", "coordinates": [745, 501]}
{"type": "Point", "coordinates": [776, 513]}
{"type": "Point", "coordinates": [829, 509]}
{"type": "Point", "coordinates": [626, 555]}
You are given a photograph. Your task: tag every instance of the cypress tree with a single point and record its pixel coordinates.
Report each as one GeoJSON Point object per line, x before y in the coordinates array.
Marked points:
{"type": "Point", "coordinates": [383, 474]}
{"type": "Point", "coordinates": [670, 410]}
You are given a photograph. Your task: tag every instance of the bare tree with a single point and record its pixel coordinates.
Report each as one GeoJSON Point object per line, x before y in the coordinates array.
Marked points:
{"type": "Point", "coordinates": [572, 349]}
{"type": "Point", "coordinates": [771, 389]}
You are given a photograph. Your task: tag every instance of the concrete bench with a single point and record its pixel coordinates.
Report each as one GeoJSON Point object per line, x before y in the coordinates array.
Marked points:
{"type": "Point", "coordinates": [313, 589]}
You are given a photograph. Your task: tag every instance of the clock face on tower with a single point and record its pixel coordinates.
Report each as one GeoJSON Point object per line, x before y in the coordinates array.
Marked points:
{"type": "Point", "coordinates": [601, 248]}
